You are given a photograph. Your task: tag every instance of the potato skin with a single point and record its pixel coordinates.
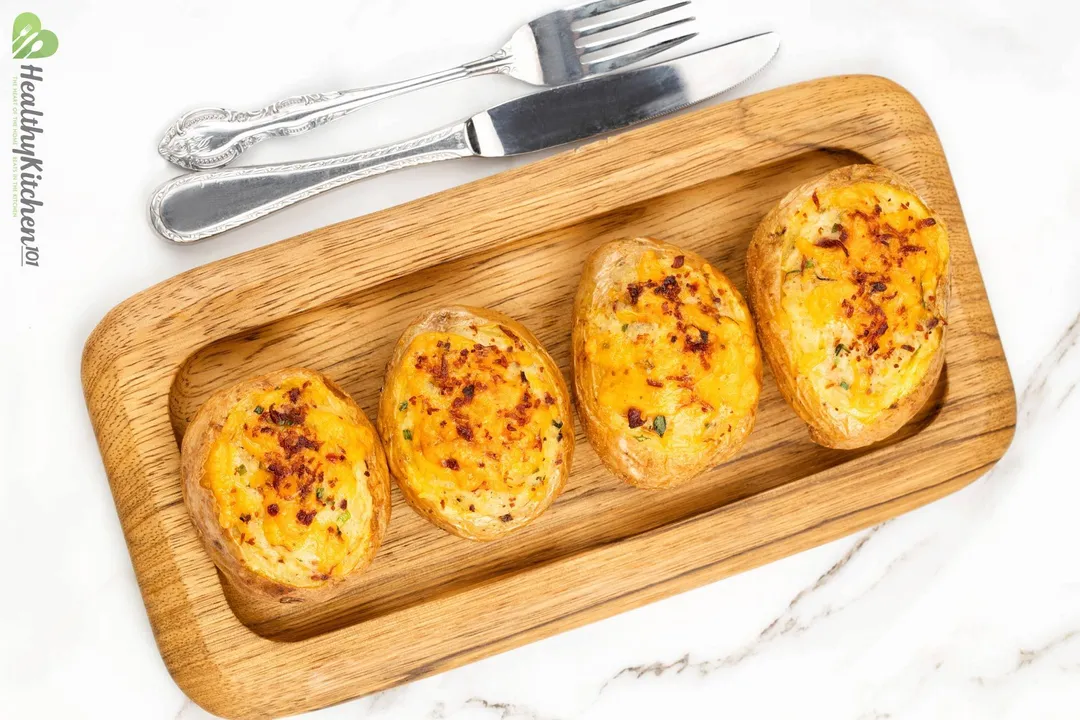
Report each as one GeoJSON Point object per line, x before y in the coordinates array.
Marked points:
{"type": "Point", "coordinates": [897, 228]}
{"type": "Point", "coordinates": [439, 489]}
{"type": "Point", "coordinates": [640, 454]}
{"type": "Point", "coordinates": [198, 444]}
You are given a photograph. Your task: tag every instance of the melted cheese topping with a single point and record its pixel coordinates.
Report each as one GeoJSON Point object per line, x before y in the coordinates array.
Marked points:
{"type": "Point", "coordinates": [671, 353]}
{"type": "Point", "coordinates": [289, 476]}
{"type": "Point", "coordinates": [479, 426]}
{"type": "Point", "coordinates": [864, 270]}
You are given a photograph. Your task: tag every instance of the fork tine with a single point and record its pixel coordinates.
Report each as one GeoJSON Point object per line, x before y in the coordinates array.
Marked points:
{"type": "Point", "coordinates": [592, 9]}
{"type": "Point", "coordinates": [605, 44]}
{"type": "Point", "coordinates": [619, 61]}
{"type": "Point", "coordinates": [603, 27]}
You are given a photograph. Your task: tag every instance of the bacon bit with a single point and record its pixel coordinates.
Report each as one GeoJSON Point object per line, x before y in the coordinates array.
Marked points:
{"type": "Point", "coordinates": [245, 518]}
{"type": "Point", "coordinates": [294, 395]}
{"type": "Point", "coordinates": [506, 518]}
{"type": "Point", "coordinates": [289, 415]}
{"type": "Point", "coordinates": [465, 432]}
{"type": "Point", "coordinates": [334, 457]}
{"type": "Point", "coordinates": [878, 287]}
{"type": "Point", "coordinates": [830, 243]}
{"type": "Point", "coordinates": [251, 541]}
{"type": "Point", "coordinates": [700, 344]}
{"type": "Point", "coordinates": [926, 222]}
{"type": "Point", "coordinates": [272, 509]}
{"type": "Point", "coordinates": [634, 290]}
{"type": "Point", "coordinates": [907, 347]}
{"type": "Point", "coordinates": [654, 383]}
{"type": "Point", "coordinates": [877, 209]}
{"type": "Point", "coordinates": [908, 249]}
{"type": "Point", "coordinates": [678, 261]}
{"type": "Point", "coordinates": [634, 419]}
{"type": "Point", "coordinates": [548, 400]}
{"type": "Point", "coordinates": [277, 471]}
{"type": "Point", "coordinates": [849, 309]}
{"type": "Point", "coordinates": [932, 323]}
{"type": "Point", "coordinates": [292, 443]}
{"type": "Point", "coordinates": [451, 463]}
{"type": "Point", "coordinates": [510, 334]}
{"type": "Point", "coordinates": [817, 203]}
{"type": "Point", "coordinates": [320, 576]}
{"type": "Point", "coordinates": [669, 288]}
{"type": "Point", "coordinates": [343, 504]}
{"type": "Point", "coordinates": [304, 517]}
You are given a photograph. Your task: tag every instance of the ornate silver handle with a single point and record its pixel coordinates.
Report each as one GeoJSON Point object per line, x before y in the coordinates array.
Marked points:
{"type": "Point", "coordinates": [214, 137]}
{"type": "Point", "coordinates": [198, 205]}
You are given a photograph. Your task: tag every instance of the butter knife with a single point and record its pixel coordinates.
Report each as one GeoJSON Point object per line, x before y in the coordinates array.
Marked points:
{"type": "Point", "coordinates": [199, 205]}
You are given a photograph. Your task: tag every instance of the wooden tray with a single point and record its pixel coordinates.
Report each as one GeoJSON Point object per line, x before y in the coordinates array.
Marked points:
{"type": "Point", "coordinates": [336, 300]}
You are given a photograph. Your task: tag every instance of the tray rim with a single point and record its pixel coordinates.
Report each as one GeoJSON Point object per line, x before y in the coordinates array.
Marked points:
{"type": "Point", "coordinates": [196, 645]}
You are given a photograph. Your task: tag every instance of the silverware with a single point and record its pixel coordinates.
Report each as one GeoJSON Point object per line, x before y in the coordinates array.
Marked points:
{"type": "Point", "coordinates": [548, 51]}
{"type": "Point", "coordinates": [198, 205]}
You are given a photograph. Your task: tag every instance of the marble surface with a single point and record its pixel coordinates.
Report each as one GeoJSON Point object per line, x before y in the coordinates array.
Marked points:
{"type": "Point", "coordinates": [969, 607]}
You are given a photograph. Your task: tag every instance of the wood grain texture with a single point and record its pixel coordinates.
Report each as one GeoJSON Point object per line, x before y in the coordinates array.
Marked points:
{"type": "Point", "coordinates": [336, 299]}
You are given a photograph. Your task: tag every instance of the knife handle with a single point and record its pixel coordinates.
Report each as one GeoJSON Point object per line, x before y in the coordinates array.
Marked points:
{"type": "Point", "coordinates": [210, 138]}
{"type": "Point", "coordinates": [198, 205]}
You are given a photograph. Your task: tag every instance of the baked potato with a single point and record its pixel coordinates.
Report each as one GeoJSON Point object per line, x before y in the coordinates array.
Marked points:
{"type": "Point", "coordinates": [667, 371]}
{"type": "Point", "coordinates": [476, 421]}
{"type": "Point", "coordinates": [287, 485]}
{"type": "Point", "coordinates": [849, 281]}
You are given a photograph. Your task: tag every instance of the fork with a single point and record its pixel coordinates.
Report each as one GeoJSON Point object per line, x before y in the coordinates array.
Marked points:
{"type": "Point", "coordinates": [547, 51]}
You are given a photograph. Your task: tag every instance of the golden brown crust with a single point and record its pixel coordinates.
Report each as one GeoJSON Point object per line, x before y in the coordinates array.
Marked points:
{"type": "Point", "coordinates": [642, 458]}
{"type": "Point", "coordinates": [475, 518]}
{"type": "Point", "coordinates": [765, 282]}
{"type": "Point", "coordinates": [199, 439]}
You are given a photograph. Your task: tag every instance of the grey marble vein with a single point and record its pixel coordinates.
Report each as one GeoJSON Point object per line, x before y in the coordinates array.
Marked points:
{"type": "Point", "coordinates": [786, 622]}
{"type": "Point", "coordinates": [1032, 399]}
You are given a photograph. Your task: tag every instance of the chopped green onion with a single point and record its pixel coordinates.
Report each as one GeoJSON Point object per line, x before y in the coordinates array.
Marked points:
{"type": "Point", "coordinates": [659, 424]}
{"type": "Point", "coordinates": [836, 227]}
{"type": "Point", "coordinates": [403, 406]}
{"type": "Point", "coordinates": [624, 326]}
{"type": "Point", "coordinates": [808, 263]}
{"type": "Point", "coordinates": [840, 347]}
{"type": "Point", "coordinates": [843, 384]}
{"type": "Point", "coordinates": [318, 493]}
{"type": "Point", "coordinates": [557, 423]}
{"type": "Point", "coordinates": [343, 517]}
{"type": "Point", "coordinates": [640, 438]}
{"type": "Point", "coordinates": [240, 469]}
{"type": "Point", "coordinates": [258, 409]}
{"type": "Point", "coordinates": [407, 434]}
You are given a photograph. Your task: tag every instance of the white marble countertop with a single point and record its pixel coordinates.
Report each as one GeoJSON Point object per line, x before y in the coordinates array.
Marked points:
{"type": "Point", "coordinates": [969, 607]}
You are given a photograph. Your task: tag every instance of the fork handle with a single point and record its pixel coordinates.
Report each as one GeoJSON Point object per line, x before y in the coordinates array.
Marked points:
{"type": "Point", "coordinates": [213, 137]}
{"type": "Point", "coordinates": [197, 205]}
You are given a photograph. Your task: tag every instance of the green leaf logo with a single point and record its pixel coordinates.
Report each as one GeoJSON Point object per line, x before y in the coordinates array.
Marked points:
{"type": "Point", "coordinates": [28, 40]}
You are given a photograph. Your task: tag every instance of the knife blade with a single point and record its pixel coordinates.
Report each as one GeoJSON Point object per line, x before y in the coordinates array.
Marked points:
{"type": "Point", "coordinates": [202, 204]}
{"type": "Point", "coordinates": [611, 102]}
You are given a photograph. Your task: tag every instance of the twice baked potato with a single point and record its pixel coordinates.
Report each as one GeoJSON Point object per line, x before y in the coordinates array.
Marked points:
{"type": "Point", "coordinates": [287, 485]}
{"type": "Point", "coordinates": [476, 421]}
{"type": "Point", "coordinates": [667, 371]}
{"type": "Point", "coordinates": [849, 281]}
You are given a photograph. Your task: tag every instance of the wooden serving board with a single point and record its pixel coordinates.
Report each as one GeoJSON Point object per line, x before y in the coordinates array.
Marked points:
{"type": "Point", "coordinates": [336, 299]}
